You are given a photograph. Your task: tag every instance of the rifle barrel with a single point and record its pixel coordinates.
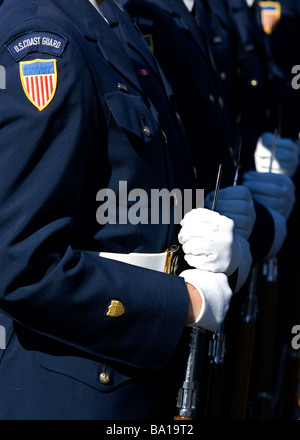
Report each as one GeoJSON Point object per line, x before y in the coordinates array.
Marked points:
{"type": "Point", "coordinates": [245, 349]}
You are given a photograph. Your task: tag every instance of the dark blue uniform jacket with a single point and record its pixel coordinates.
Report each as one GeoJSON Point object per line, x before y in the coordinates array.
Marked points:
{"type": "Point", "coordinates": [97, 128]}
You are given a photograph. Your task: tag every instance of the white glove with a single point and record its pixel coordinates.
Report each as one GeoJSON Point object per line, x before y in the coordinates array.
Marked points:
{"type": "Point", "coordinates": [215, 293]}
{"type": "Point", "coordinates": [274, 191]}
{"type": "Point", "coordinates": [209, 241]}
{"type": "Point", "coordinates": [286, 158]}
{"type": "Point", "coordinates": [236, 203]}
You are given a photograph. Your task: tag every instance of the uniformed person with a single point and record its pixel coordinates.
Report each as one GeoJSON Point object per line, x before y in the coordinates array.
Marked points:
{"type": "Point", "coordinates": [88, 336]}
{"type": "Point", "coordinates": [201, 107]}
{"type": "Point", "coordinates": [258, 106]}
{"type": "Point", "coordinates": [277, 23]}
{"type": "Point", "coordinates": [257, 88]}
{"type": "Point", "coordinates": [156, 27]}
{"type": "Point", "coordinates": [185, 55]}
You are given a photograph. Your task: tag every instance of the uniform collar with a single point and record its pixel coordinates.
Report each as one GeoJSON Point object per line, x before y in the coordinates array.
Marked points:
{"type": "Point", "coordinates": [93, 27]}
{"type": "Point", "coordinates": [189, 24]}
{"type": "Point", "coordinates": [109, 44]}
{"type": "Point", "coordinates": [97, 7]}
{"type": "Point", "coordinates": [117, 16]}
{"type": "Point", "coordinates": [189, 4]}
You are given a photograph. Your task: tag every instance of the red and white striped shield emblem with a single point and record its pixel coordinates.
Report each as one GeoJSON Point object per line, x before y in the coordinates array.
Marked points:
{"type": "Point", "coordinates": [39, 80]}
{"type": "Point", "coordinates": [270, 15]}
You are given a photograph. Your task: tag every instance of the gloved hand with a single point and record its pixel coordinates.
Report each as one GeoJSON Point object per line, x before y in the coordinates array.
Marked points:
{"type": "Point", "coordinates": [286, 158]}
{"type": "Point", "coordinates": [215, 293]}
{"type": "Point", "coordinates": [274, 191]}
{"type": "Point", "coordinates": [236, 203]}
{"type": "Point", "coordinates": [280, 233]}
{"type": "Point", "coordinates": [209, 241]}
{"type": "Point", "coordinates": [245, 264]}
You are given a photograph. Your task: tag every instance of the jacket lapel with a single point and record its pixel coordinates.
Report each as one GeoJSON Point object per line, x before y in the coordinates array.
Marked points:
{"type": "Point", "coordinates": [117, 16]}
{"type": "Point", "coordinates": [188, 23]}
{"type": "Point", "coordinates": [112, 50]}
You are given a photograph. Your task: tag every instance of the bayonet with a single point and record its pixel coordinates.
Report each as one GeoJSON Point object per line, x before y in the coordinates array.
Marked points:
{"type": "Point", "coordinates": [188, 393]}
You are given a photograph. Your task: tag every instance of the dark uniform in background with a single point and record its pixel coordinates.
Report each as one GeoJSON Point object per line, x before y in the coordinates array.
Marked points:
{"type": "Point", "coordinates": [242, 64]}
{"type": "Point", "coordinates": [278, 24]}
{"type": "Point", "coordinates": [263, 88]}
{"type": "Point", "coordinates": [186, 63]}
{"type": "Point", "coordinates": [239, 67]}
{"type": "Point", "coordinates": [185, 55]}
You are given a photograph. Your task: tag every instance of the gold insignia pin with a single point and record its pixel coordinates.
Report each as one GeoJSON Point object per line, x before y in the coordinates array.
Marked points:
{"type": "Point", "coordinates": [115, 309]}
{"type": "Point", "coordinates": [149, 40]}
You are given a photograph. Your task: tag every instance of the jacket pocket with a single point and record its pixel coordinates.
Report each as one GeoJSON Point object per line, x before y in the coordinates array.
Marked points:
{"type": "Point", "coordinates": [132, 115]}
{"type": "Point", "coordinates": [85, 370]}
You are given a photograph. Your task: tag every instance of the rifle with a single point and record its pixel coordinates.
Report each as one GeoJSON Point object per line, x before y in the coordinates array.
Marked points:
{"type": "Point", "coordinates": [286, 399]}
{"type": "Point", "coordinates": [265, 342]}
{"type": "Point", "coordinates": [187, 399]}
{"type": "Point", "coordinates": [216, 353]}
{"type": "Point", "coordinates": [267, 322]}
{"type": "Point", "coordinates": [245, 347]}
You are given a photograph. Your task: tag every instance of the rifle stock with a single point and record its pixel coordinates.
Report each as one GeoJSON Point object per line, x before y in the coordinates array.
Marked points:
{"type": "Point", "coordinates": [286, 402]}
{"type": "Point", "coordinates": [265, 342]}
{"type": "Point", "coordinates": [245, 349]}
{"type": "Point", "coordinates": [216, 355]}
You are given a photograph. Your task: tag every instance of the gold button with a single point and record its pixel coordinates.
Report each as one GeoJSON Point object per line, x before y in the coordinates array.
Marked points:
{"type": "Point", "coordinates": [146, 131]}
{"type": "Point", "coordinates": [104, 378]}
{"type": "Point", "coordinates": [223, 76]}
{"type": "Point", "coordinates": [254, 83]}
{"type": "Point", "coordinates": [122, 87]}
{"type": "Point", "coordinates": [211, 98]}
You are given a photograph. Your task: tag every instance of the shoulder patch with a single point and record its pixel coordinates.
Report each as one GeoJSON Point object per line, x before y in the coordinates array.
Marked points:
{"type": "Point", "coordinates": [39, 81]}
{"type": "Point", "coordinates": [36, 41]}
{"type": "Point", "coordinates": [270, 15]}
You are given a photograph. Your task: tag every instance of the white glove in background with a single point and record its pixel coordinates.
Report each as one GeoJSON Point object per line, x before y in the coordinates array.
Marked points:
{"type": "Point", "coordinates": [209, 241]}
{"type": "Point", "coordinates": [215, 293]}
{"type": "Point", "coordinates": [236, 203]}
{"type": "Point", "coordinates": [286, 158]}
{"type": "Point", "coordinates": [274, 191]}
